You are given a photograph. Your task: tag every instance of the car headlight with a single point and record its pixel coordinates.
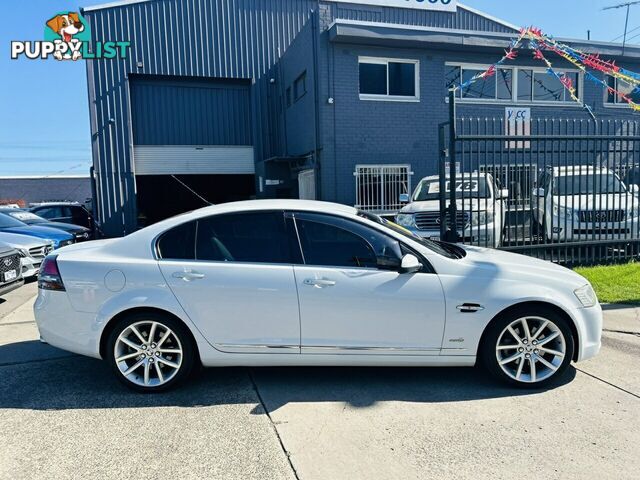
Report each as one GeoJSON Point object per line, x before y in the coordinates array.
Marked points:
{"type": "Point", "coordinates": [586, 295]}
{"type": "Point", "coordinates": [481, 218]}
{"type": "Point", "coordinates": [406, 220]}
{"type": "Point", "coordinates": [23, 252]}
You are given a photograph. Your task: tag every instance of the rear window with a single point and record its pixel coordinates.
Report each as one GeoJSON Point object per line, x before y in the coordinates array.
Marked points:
{"type": "Point", "coordinates": [178, 243]}
{"type": "Point", "coordinates": [259, 237]}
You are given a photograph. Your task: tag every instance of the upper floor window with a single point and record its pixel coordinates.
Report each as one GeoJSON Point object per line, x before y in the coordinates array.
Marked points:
{"type": "Point", "coordinates": [623, 87]}
{"type": "Point", "coordinates": [389, 79]}
{"type": "Point", "coordinates": [513, 84]}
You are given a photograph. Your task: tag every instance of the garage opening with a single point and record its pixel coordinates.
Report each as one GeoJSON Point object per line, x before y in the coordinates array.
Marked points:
{"type": "Point", "coordinates": [163, 196]}
{"type": "Point", "coordinates": [192, 143]}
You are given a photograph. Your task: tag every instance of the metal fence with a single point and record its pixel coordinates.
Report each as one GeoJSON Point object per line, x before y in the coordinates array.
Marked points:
{"type": "Point", "coordinates": [561, 189]}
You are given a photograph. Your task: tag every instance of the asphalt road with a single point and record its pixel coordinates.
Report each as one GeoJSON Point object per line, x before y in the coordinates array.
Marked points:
{"type": "Point", "coordinates": [63, 416]}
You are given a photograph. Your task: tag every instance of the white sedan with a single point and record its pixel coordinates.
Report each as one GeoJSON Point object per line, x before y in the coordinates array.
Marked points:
{"type": "Point", "coordinates": [288, 282]}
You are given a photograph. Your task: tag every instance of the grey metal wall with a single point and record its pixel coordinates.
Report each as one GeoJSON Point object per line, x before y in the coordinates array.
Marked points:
{"type": "Point", "coordinates": [462, 19]}
{"type": "Point", "coordinates": [184, 111]}
{"type": "Point", "coordinates": [201, 38]}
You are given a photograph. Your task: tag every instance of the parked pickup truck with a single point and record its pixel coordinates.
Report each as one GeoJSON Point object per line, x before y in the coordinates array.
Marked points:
{"type": "Point", "coordinates": [582, 203]}
{"type": "Point", "coordinates": [480, 204]}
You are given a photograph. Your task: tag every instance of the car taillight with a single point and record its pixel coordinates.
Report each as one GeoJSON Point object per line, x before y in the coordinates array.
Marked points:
{"type": "Point", "coordinates": [49, 277]}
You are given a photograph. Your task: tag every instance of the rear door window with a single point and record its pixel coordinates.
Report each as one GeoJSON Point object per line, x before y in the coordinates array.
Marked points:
{"type": "Point", "coordinates": [256, 237]}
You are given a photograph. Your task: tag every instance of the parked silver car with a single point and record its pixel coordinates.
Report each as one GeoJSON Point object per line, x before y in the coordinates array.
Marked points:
{"type": "Point", "coordinates": [32, 251]}
{"type": "Point", "coordinates": [480, 208]}
{"type": "Point", "coordinates": [581, 203]}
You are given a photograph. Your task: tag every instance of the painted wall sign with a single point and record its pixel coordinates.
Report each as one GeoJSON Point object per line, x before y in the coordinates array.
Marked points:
{"type": "Point", "coordinates": [438, 5]}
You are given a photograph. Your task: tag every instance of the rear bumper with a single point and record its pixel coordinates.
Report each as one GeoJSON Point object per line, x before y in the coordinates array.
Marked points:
{"type": "Point", "coordinates": [63, 327]}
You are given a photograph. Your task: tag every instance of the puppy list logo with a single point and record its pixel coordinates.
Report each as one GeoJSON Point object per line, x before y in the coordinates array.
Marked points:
{"type": "Point", "coordinates": [67, 36]}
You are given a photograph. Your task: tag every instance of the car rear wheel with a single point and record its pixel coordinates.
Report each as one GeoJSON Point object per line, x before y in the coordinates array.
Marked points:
{"type": "Point", "coordinates": [150, 352]}
{"type": "Point", "coordinates": [528, 348]}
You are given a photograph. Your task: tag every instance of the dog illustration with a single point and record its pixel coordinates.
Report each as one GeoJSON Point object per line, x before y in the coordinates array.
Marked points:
{"type": "Point", "coordinates": [67, 26]}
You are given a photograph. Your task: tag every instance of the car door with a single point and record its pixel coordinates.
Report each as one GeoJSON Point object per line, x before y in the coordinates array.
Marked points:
{"type": "Point", "coordinates": [80, 216]}
{"type": "Point", "coordinates": [353, 298]}
{"type": "Point", "coordinates": [233, 276]}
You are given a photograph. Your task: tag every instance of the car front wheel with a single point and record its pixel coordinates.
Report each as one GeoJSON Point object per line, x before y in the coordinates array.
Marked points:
{"type": "Point", "coordinates": [150, 352]}
{"type": "Point", "coordinates": [528, 348]}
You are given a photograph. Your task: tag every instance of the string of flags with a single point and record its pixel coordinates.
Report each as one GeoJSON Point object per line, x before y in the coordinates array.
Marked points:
{"type": "Point", "coordinates": [540, 42]}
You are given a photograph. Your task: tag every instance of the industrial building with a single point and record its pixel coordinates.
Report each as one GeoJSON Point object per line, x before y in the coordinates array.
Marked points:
{"type": "Point", "coordinates": [222, 100]}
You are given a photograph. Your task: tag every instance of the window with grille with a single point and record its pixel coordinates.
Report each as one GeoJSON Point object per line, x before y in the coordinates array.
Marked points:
{"type": "Point", "coordinates": [378, 187]}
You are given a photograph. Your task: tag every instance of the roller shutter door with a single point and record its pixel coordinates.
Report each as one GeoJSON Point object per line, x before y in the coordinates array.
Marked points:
{"type": "Point", "coordinates": [187, 126]}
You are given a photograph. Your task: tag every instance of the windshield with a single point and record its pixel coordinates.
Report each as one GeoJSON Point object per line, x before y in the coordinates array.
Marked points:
{"type": "Point", "coordinates": [467, 187]}
{"type": "Point", "coordinates": [27, 217]}
{"type": "Point", "coordinates": [438, 247]}
{"type": "Point", "coordinates": [588, 183]}
{"type": "Point", "coordinates": [9, 222]}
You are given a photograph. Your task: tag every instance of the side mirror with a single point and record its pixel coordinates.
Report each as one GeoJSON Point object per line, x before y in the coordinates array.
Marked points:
{"type": "Point", "coordinates": [410, 264]}
{"type": "Point", "coordinates": [404, 198]}
{"type": "Point", "coordinates": [538, 192]}
{"type": "Point", "coordinates": [503, 194]}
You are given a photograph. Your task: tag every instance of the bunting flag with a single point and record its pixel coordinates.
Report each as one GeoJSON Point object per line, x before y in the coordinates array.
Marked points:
{"type": "Point", "coordinates": [584, 61]}
{"type": "Point", "coordinates": [539, 42]}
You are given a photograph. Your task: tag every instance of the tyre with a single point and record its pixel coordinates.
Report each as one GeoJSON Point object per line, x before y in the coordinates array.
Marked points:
{"type": "Point", "coordinates": [528, 347]}
{"type": "Point", "coordinates": [150, 352]}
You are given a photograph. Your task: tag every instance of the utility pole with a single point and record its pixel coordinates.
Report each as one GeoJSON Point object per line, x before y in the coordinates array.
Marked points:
{"type": "Point", "coordinates": [628, 6]}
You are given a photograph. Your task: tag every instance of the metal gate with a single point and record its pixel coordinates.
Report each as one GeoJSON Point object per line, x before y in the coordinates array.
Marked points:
{"type": "Point", "coordinates": [566, 191]}
{"type": "Point", "coordinates": [379, 187]}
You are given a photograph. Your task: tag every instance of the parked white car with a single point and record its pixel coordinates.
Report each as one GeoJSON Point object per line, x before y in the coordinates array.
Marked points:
{"type": "Point", "coordinates": [585, 203]}
{"type": "Point", "coordinates": [293, 282]}
{"type": "Point", "coordinates": [480, 205]}
{"type": "Point", "coordinates": [32, 251]}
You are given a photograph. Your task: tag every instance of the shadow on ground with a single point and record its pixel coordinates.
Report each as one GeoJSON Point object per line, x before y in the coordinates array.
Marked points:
{"type": "Point", "coordinates": [84, 383]}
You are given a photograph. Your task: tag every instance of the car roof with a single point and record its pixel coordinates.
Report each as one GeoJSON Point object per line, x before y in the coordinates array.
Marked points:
{"type": "Point", "coordinates": [253, 205]}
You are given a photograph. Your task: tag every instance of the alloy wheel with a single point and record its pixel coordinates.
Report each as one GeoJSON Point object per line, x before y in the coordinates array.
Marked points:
{"type": "Point", "coordinates": [148, 353]}
{"type": "Point", "coordinates": [531, 349]}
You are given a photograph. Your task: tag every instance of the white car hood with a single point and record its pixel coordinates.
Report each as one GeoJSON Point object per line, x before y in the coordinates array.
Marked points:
{"type": "Point", "coordinates": [520, 268]}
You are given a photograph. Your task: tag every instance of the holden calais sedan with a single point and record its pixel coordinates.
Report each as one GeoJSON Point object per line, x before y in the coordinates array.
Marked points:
{"type": "Point", "coordinates": [290, 282]}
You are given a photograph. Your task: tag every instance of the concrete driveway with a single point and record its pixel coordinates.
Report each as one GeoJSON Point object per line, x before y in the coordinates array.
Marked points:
{"type": "Point", "coordinates": [63, 416]}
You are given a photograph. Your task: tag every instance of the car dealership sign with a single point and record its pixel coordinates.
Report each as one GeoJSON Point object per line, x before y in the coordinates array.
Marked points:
{"type": "Point", "coordinates": [440, 5]}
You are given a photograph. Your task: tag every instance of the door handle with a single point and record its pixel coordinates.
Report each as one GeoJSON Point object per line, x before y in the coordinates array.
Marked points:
{"type": "Point", "coordinates": [319, 282]}
{"type": "Point", "coordinates": [188, 276]}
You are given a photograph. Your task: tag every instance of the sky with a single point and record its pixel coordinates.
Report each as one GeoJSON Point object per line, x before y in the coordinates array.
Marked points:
{"type": "Point", "coordinates": [44, 125]}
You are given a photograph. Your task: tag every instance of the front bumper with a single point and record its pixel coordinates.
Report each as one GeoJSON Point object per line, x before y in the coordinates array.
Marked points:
{"type": "Point", "coordinates": [589, 322]}
{"type": "Point", "coordinates": [568, 230]}
{"type": "Point", "coordinates": [481, 235]}
{"type": "Point", "coordinates": [30, 266]}
{"type": "Point", "coordinates": [10, 287]}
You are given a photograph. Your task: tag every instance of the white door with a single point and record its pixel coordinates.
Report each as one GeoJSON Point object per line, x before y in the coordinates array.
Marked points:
{"type": "Point", "coordinates": [233, 276]}
{"type": "Point", "coordinates": [351, 301]}
{"type": "Point", "coordinates": [307, 185]}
